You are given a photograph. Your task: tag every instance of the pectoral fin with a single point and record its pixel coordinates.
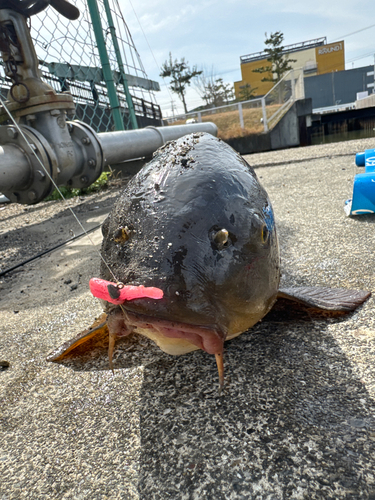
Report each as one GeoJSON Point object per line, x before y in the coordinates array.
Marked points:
{"type": "Point", "coordinates": [329, 299]}
{"type": "Point", "coordinates": [99, 327]}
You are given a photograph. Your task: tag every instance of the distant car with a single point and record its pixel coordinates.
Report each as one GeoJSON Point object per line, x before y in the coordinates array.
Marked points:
{"type": "Point", "coordinates": [191, 120]}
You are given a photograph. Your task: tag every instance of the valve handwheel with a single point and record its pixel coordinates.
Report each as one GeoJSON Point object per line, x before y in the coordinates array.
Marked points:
{"type": "Point", "coordinates": [30, 7]}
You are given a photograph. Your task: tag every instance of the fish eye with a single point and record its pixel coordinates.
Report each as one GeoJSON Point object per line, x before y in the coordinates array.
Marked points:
{"type": "Point", "coordinates": [220, 238]}
{"type": "Point", "coordinates": [265, 234]}
{"type": "Point", "coordinates": [122, 235]}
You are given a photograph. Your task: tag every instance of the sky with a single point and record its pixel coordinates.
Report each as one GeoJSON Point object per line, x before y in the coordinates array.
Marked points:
{"type": "Point", "coordinates": [212, 35]}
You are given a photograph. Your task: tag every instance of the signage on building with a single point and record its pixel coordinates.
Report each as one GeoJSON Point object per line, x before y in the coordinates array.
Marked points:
{"type": "Point", "coordinates": [330, 57]}
{"type": "Point", "coordinates": [333, 47]}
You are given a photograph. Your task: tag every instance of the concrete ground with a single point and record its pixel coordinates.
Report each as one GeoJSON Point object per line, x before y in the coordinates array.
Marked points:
{"type": "Point", "coordinates": [296, 420]}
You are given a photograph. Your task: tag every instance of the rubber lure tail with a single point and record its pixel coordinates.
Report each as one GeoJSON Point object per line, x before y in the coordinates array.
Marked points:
{"type": "Point", "coordinates": [118, 293]}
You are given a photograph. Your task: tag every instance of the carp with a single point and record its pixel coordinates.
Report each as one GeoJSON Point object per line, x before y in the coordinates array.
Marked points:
{"type": "Point", "coordinates": [190, 254]}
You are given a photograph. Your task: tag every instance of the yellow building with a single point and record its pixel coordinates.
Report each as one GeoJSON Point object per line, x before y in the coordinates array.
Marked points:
{"type": "Point", "coordinates": [314, 57]}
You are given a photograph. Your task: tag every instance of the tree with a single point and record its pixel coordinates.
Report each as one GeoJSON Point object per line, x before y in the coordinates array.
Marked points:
{"type": "Point", "coordinates": [213, 90]}
{"type": "Point", "coordinates": [217, 93]}
{"type": "Point", "coordinates": [203, 83]}
{"type": "Point", "coordinates": [279, 63]}
{"type": "Point", "coordinates": [227, 91]}
{"type": "Point", "coordinates": [246, 92]}
{"type": "Point", "coordinates": [180, 76]}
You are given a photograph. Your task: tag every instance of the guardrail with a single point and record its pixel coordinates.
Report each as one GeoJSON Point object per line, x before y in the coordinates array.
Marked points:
{"type": "Point", "coordinates": [255, 115]}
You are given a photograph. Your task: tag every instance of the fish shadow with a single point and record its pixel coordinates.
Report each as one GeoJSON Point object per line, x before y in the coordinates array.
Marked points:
{"type": "Point", "coordinates": [293, 417]}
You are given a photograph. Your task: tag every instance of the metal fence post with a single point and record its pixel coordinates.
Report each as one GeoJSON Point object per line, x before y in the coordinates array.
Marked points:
{"type": "Point", "coordinates": [265, 125]}
{"type": "Point", "coordinates": [301, 85]}
{"type": "Point", "coordinates": [129, 100]}
{"type": "Point", "coordinates": [293, 86]}
{"type": "Point", "coordinates": [241, 115]}
{"type": "Point", "coordinates": [107, 71]}
{"type": "Point", "coordinates": [199, 117]}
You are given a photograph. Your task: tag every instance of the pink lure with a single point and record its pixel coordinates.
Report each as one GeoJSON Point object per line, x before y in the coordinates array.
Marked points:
{"type": "Point", "coordinates": [115, 294]}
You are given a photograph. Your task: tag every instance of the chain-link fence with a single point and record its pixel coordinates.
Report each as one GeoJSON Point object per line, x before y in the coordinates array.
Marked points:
{"type": "Point", "coordinates": [70, 62]}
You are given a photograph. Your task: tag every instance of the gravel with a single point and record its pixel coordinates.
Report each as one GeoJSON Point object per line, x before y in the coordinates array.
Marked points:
{"type": "Point", "coordinates": [26, 231]}
{"type": "Point", "coordinates": [296, 420]}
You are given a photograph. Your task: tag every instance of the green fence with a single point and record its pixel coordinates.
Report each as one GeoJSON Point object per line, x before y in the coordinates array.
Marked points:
{"type": "Point", "coordinates": [71, 62]}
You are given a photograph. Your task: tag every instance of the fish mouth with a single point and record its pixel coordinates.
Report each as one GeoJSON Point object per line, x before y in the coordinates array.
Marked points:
{"type": "Point", "coordinates": [172, 337]}
{"type": "Point", "coordinates": [185, 336]}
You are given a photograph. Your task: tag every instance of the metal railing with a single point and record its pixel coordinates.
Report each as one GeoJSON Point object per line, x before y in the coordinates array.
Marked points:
{"type": "Point", "coordinates": [92, 103]}
{"type": "Point", "coordinates": [307, 44]}
{"type": "Point", "coordinates": [255, 115]}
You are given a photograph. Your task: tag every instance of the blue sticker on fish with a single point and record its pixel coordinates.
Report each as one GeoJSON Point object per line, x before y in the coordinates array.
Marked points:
{"type": "Point", "coordinates": [268, 217]}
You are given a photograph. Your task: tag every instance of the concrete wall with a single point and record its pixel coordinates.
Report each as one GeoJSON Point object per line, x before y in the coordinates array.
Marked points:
{"type": "Point", "coordinates": [366, 102]}
{"type": "Point", "coordinates": [285, 133]}
{"type": "Point", "coordinates": [290, 131]}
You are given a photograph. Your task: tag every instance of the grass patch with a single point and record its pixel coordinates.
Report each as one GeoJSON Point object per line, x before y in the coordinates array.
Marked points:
{"type": "Point", "coordinates": [228, 122]}
{"type": "Point", "coordinates": [101, 183]}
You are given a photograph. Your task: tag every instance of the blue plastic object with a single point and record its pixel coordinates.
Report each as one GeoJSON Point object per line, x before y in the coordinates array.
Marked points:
{"type": "Point", "coordinates": [363, 201]}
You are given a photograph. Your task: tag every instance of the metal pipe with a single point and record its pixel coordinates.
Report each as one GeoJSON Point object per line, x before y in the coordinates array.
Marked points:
{"type": "Point", "coordinates": [131, 144]}
{"type": "Point", "coordinates": [16, 172]}
{"type": "Point", "coordinates": [4, 199]}
{"type": "Point", "coordinates": [22, 179]}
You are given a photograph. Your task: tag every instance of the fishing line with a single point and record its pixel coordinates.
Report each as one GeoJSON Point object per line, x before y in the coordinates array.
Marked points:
{"type": "Point", "coordinates": [57, 188]}
{"type": "Point", "coordinates": [49, 250]}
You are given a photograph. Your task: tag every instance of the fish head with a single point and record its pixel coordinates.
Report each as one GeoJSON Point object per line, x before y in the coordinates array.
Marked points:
{"type": "Point", "coordinates": [195, 223]}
